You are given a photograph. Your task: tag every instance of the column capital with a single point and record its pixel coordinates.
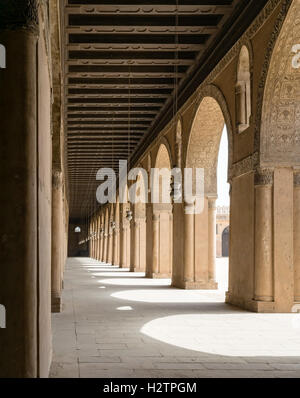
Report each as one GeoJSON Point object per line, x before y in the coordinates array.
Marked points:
{"type": "Point", "coordinates": [297, 178]}
{"type": "Point", "coordinates": [155, 217]}
{"type": "Point", "coordinates": [264, 177]}
{"type": "Point", "coordinates": [212, 202]}
{"type": "Point", "coordinates": [16, 15]}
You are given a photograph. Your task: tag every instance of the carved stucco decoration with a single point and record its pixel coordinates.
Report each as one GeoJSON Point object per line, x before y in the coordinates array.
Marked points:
{"type": "Point", "coordinates": [264, 177]}
{"type": "Point", "coordinates": [280, 124]}
{"type": "Point", "coordinates": [244, 166]}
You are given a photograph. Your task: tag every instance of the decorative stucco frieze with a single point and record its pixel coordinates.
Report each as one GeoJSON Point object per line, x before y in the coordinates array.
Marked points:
{"type": "Point", "coordinates": [244, 166]}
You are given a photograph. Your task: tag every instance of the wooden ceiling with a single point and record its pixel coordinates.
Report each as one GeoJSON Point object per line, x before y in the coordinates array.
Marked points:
{"type": "Point", "coordinates": [124, 61]}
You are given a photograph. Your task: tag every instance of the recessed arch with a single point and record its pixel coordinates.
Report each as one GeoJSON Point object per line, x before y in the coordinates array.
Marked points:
{"type": "Point", "coordinates": [243, 90]}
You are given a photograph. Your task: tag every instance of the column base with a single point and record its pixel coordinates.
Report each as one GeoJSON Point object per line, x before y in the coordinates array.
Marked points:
{"type": "Point", "coordinates": [158, 276]}
{"type": "Point", "coordinates": [251, 305]}
{"type": "Point", "coordinates": [137, 270]}
{"type": "Point", "coordinates": [200, 285]}
{"type": "Point", "coordinates": [56, 305]}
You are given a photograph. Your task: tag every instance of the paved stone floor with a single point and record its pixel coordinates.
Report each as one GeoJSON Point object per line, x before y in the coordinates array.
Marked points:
{"type": "Point", "coordinates": [119, 324]}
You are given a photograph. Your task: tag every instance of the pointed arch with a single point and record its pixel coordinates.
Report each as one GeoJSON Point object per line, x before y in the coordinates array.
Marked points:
{"type": "Point", "coordinates": [243, 91]}
{"type": "Point", "coordinates": [211, 113]}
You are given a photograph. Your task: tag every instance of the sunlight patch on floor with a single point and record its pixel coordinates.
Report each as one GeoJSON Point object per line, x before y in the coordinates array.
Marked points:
{"type": "Point", "coordinates": [135, 282]}
{"type": "Point", "coordinates": [240, 334]}
{"type": "Point", "coordinates": [169, 296]}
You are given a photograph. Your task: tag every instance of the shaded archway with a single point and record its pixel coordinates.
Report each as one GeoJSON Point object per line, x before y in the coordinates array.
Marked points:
{"type": "Point", "coordinates": [160, 264]}
{"type": "Point", "coordinates": [116, 233]}
{"type": "Point", "coordinates": [203, 149]}
{"type": "Point", "coordinates": [195, 251]}
{"type": "Point", "coordinates": [124, 228]}
{"type": "Point", "coordinates": [138, 199]}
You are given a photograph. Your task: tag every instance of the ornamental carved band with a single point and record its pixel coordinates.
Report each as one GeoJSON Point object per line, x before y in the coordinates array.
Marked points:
{"type": "Point", "coordinates": [19, 14]}
{"type": "Point", "coordinates": [264, 177]}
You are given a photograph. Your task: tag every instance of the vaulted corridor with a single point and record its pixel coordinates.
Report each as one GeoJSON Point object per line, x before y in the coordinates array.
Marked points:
{"type": "Point", "coordinates": [120, 324]}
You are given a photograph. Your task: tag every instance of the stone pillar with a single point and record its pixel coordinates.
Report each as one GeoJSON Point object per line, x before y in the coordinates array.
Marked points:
{"type": "Point", "coordinates": [105, 237]}
{"type": "Point", "coordinates": [263, 237]}
{"type": "Point", "coordinates": [102, 239]}
{"type": "Point", "coordinates": [159, 260]}
{"type": "Point", "coordinates": [109, 246]}
{"type": "Point", "coordinates": [155, 244]}
{"type": "Point", "coordinates": [134, 245]}
{"type": "Point", "coordinates": [123, 262]}
{"type": "Point", "coordinates": [149, 240]}
{"type": "Point", "coordinates": [92, 238]}
{"type": "Point", "coordinates": [212, 211]}
{"type": "Point", "coordinates": [297, 236]}
{"type": "Point", "coordinates": [18, 172]}
{"type": "Point", "coordinates": [57, 241]}
{"type": "Point", "coordinates": [124, 237]}
{"type": "Point", "coordinates": [98, 239]}
{"type": "Point", "coordinates": [189, 254]}
{"type": "Point", "coordinates": [115, 259]}
{"type": "Point", "coordinates": [101, 245]}
{"type": "Point", "coordinates": [137, 249]}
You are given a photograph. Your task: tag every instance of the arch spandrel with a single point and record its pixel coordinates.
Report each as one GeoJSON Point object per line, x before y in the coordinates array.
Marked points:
{"type": "Point", "coordinates": [280, 122]}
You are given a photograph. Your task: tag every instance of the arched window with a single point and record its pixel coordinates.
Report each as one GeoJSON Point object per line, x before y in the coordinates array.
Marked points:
{"type": "Point", "coordinates": [77, 230]}
{"type": "Point", "coordinates": [243, 91]}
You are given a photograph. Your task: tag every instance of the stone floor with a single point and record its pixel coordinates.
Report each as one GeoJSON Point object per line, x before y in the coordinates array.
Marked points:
{"type": "Point", "coordinates": [119, 324]}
